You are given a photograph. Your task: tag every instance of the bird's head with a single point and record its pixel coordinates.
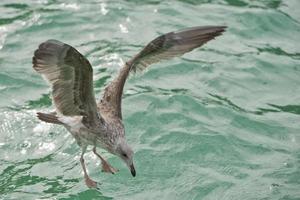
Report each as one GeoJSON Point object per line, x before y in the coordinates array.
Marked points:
{"type": "Point", "coordinates": [124, 151]}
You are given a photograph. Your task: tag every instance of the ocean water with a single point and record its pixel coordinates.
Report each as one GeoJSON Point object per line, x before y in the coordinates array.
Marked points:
{"type": "Point", "coordinates": [222, 122]}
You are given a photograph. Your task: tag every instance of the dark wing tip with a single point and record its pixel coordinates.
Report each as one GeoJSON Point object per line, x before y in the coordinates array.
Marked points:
{"type": "Point", "coordinates": [49, 43]}
{"type": "Point", "coordinates": [199, 35]}
{"type": "Point", "coordinates": [47, 54]}
{"type": "Point", "coordinates": [202, 31]}
{"type": "Point", "coordinates": [220, 29]}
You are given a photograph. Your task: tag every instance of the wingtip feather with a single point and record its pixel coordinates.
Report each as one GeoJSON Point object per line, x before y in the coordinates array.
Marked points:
{"type": "Point", "coordinates": [48, 53]}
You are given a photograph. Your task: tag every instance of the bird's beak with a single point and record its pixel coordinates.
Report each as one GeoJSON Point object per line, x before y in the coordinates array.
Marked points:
{"type": "Point", "coordinates": [132, 170]}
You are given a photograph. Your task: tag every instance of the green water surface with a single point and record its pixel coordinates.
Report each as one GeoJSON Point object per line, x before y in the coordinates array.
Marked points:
{"type": "Point", "coordinates": [222, 122]}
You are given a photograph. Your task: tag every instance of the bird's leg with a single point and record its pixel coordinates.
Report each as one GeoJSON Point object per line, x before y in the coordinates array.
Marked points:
{"type": "Point", "coordinates": [106, 167]}
{"type": "Point", "coordinates": [88, 181]}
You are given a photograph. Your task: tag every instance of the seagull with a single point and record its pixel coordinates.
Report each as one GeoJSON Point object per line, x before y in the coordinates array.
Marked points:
{"type": "Point", "coordinates": [99, 124]}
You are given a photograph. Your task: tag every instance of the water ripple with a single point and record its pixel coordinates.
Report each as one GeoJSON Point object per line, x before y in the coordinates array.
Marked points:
{"type": "Point", "coordinates": [219, 123]}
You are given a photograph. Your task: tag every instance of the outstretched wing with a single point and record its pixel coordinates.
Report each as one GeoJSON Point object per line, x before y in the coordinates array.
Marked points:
{"type": "Point", "coordinates": [163, 47]}
{"type": "Point", "coordinates": [71, 78]}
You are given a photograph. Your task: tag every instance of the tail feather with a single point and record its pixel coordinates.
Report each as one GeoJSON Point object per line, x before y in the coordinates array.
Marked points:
{"type": "Point", "coordinates": [49, 118]}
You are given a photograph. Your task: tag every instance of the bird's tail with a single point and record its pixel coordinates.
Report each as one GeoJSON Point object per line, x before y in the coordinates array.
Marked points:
{"type": "Point", "coordinates": [49, 118]}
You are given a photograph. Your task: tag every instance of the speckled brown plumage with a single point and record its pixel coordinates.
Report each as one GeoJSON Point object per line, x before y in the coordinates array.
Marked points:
{"type": "Point", "coordinates": [71, 78]}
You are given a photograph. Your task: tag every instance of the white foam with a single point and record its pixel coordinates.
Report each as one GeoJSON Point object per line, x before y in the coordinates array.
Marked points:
{"type": "Point", "coordinates": [42, 128]}
{"type": "Point", "coordinates": [123, 28]}
{"type": "Point", "coordinates": [72, 6]}
{"type": "Point", "coordinates": [104, 11]}
{"type": "Point", "coordinates": [49, 146]}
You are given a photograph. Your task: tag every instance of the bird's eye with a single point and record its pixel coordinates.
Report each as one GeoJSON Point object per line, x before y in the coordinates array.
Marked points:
{"type": "Point", "coordinates": [124, 155]}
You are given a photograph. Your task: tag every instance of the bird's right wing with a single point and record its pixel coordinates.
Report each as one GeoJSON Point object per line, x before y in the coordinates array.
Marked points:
{"type": "Point", "coordinates": [164, 47]}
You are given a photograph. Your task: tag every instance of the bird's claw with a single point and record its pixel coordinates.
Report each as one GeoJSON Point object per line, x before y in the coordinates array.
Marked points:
{"type": "Point", "coordinates": [108, 168]}
{"type": "Point", "coordinates": [91, 184]}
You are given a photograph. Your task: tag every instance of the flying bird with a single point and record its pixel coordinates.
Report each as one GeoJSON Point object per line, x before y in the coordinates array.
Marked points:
{"type": "Point", "coordinates": [99, 124]}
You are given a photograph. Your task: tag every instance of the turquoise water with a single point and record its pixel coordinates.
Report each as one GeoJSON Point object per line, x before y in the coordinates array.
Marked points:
{"type": "Point", "coordinates": [219, 123]}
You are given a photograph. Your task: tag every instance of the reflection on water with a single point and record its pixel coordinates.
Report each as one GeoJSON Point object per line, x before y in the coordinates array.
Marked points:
{"type": "Point", "coordinates": [219, 123]}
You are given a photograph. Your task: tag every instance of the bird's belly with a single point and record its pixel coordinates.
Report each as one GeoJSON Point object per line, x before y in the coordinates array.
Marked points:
{"type": "Point", "coordinates": [84, 138]}
{"type": "Point", "coordinates": [82, 135]}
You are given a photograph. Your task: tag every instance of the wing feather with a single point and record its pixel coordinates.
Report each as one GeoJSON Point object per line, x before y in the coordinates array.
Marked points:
{"type": "Point", "coordinates": [164, 47]}
{"type": "Point", "coordinates": [71, 78]}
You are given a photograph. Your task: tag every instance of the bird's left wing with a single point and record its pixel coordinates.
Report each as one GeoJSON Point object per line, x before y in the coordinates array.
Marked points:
{"type": "Point", "coordinates": [71, 78]}
{"type": "Point", "coordinates": [164, 47]}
